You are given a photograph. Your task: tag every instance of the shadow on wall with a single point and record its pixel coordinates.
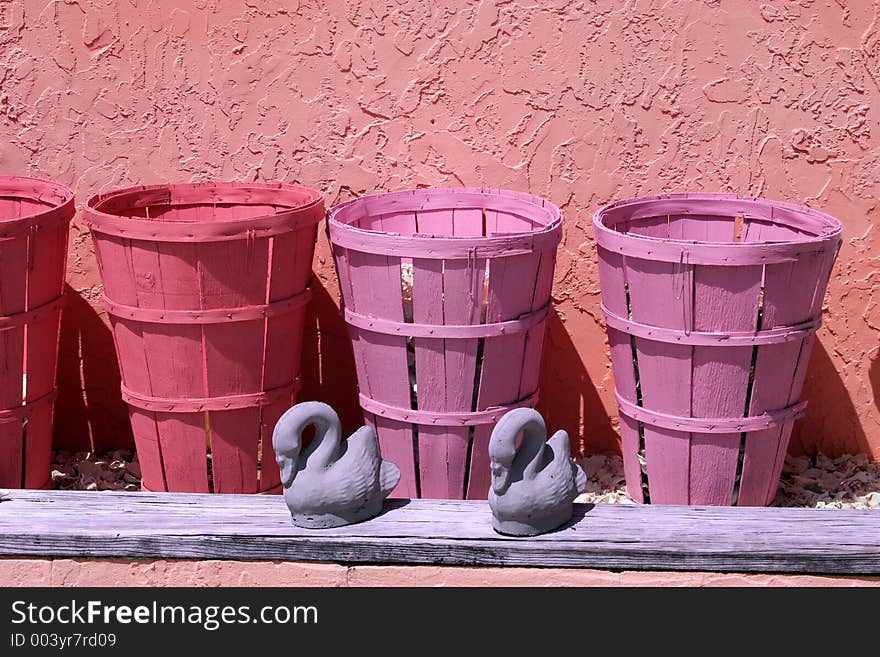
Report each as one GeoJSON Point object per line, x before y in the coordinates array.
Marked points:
{"type": "Point", "coordinates": [328, 369]}
{"type": "Point", "coordinates": [89, 413]}
{"type": "Point", "coordinates": [831, 425]}
{"type": "Point", "coordinates": [568, 394]}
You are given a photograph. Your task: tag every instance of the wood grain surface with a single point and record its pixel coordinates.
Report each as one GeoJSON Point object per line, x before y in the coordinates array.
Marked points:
{"type": "Point", "coordinates": [445, 532]}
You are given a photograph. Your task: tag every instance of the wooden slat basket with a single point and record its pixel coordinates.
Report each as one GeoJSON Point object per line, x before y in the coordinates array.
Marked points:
{"type": "Point", "coordinates": [711, 303]}
{"type": "Point", "coordinates": [35, 218]}
{"type": "Point", "coordinates": [206, 286]}
{"type": "Point", "coordinates": [446, 294]}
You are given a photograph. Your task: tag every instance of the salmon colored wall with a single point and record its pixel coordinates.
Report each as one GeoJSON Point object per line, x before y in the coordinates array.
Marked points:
{"type": "Point", "coordinates": [191, 572]}
{"type": "Point", "coordinates": [582, 102]}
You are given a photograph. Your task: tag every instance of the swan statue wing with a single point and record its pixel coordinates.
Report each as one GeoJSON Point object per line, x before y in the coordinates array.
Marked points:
{"type": "Point", "coordinates": [365, 449]}
{"type": "Point", "coordinates": [354, 471]}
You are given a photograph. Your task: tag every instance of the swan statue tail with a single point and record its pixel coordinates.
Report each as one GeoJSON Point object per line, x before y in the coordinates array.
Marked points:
{"type": "Point", "coordinates": [389, 477]}
{"type": "Point", "coordinates": [561, 447]}
{"type": "Point", "coordinates": [580, 479]}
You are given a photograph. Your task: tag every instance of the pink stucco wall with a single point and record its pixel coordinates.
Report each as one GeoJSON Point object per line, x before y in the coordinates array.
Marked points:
{"type": "Point", "coordinates": [582, 102]}
{"type": "Point", "coordinates": [189, 572]}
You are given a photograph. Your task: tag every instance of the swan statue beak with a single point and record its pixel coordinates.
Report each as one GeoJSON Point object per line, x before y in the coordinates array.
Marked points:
{"type": "Point", "coordinates": [287, 441]}
{"type": "Point", "coordinates": [500, 478]}
{"type": "Point", "coordinates": [287, 466]}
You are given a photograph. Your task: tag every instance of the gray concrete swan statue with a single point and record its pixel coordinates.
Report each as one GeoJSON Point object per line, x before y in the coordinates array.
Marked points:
{"type": "Point", "coordinates": [534, 486]}
{"type": "Point", "coordinates": [330, 483]}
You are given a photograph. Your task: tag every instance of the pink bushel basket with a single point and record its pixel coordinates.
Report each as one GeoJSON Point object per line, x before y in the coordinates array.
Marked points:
{"type": "Point", "coordinates": [35, 218]}
{"type": "Point", "coordinates": [446, 294]}
{"type": "Point", "coordinates": [206, 286]}
{"type": "Point", "coordinates": [711, 303]}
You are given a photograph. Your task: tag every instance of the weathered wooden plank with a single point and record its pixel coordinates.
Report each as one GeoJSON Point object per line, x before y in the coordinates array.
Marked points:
{"type": "Point", "coordinates": [463, 288]}
{"type": "Point", "coordinates": [147, 525]}
{"type": "Point", "coordinates": [510, 294]}
{"type": "Point", "coordinates": [661, 295]}
{"type": "Point", "coordinates": [438, 458]}
{"type": "Point", "coordinates": [230, 277]}
{"type": "Point", "coordinates": [376, 281]}
{"type": "Point", "coordinates": [788, 296]}
{"type": "Point", "coordinates": [725, 299]}
{"type": "Point", "coordinates": [611, 275]}
{"type": "Point", "coordinates": [632, 468]}
{"type": "Point", "coordinates": [38, 442]}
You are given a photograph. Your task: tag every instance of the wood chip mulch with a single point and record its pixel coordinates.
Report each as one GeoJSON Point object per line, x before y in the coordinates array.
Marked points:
{"type": "Point", "coordinates": [846, 482]}
{"type": "Point", "coordinates": [115, 470]}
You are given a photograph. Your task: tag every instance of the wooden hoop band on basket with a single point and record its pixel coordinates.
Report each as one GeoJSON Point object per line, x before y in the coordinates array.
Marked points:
{"type": "Point", "coordinates": [198, 404]}
{"type": "Point", "coordinates": [443, 418]}
{"type": "Point", "coordinates": [32, 315]}
{"type": "Point", "coordinates": [21, 412]}
{"type": "Point", "coordinates": [766, 420]}
{"type": "Point", "coordinates": [378, 325]}
{"type": "Point", "coordinates": [209, 316]}
{"type": "Point", "coordinates": [717, 339]}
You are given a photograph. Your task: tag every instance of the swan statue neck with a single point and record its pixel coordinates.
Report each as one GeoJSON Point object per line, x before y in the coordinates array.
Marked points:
{"type": "Point", "coordinates": [510, 463]}
{"type": "Point", "coordinates": [532, 446]}
{"type": "Point", "coordinates": [328, 433]}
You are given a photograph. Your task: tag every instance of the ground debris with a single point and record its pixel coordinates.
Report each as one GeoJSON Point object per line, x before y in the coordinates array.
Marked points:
{"type": "Point", "coordinates": [112, 470]}
{"type": "Point", "coordinates": [846, 482]}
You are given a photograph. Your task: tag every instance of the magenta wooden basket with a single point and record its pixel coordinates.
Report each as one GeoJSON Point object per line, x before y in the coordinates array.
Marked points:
{"type": "Point", "coordinates": [446, 294]}
{"type": "Point", "coordinates": [35, 218]}
{"type": "Point", "coordinates": [206, 286]}
{"type": "Point", "coordinates": [711, 303]}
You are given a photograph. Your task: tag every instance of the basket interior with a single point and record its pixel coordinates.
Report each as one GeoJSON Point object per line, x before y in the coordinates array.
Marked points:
{"type": "Point", "coordinates": [449, 213]}
{"type": "Point", "coordinates": [24, 197]}
{"type": "Point", "coordinates": [199, 212]}
{"type": "Point", "coordinates": [16, 207]}
{"type": "Point", "coordinates": [204, 204]}
{"type": "Point", "coordinates": [719, 221]}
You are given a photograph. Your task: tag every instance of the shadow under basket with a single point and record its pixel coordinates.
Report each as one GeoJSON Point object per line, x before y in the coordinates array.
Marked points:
{"type": "Point", "coordinates": [446, 294]}
{"type": "Point", "coordinates": [35, 219]}
{"type": "Point", "coordinates": [206, 286]}
{"type": "Point", "coordinates": [711, 303]}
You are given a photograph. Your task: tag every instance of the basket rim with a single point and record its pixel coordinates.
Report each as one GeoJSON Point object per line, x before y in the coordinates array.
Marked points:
{"type": "Point", "coordinates": [342, 233]}
{"type": "Point", "coordinates": [306, 207]}
{"type": "Point", "coordinates": [40, 189]}
{"type": "Point", "coordinates": [719, 253]}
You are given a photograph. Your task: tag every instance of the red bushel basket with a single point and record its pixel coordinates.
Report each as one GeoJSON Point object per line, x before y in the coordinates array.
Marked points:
{"type": "Point", "coordinates": [35, 218]}
{"type": "Point", "coordinates": [446, 294]}
{"type": "Point", "coordinates": [206, 286]}
{"type": "Point", "coordinates": [711, 303]}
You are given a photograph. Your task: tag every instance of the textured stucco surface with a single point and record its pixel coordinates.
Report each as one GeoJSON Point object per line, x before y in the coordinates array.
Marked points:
{"type": "Point", "coordinates": [582, 101]}
{"type": "Point", "coordinates": [183, 572]}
